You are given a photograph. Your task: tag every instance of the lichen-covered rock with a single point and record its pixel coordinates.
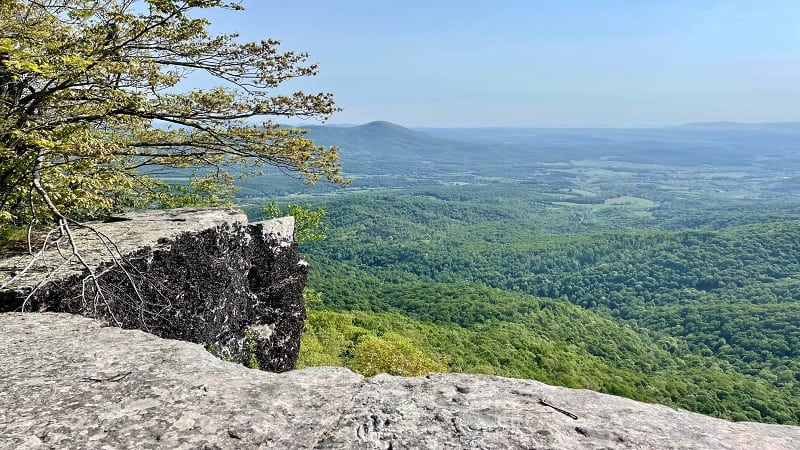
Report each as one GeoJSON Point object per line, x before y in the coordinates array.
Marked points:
{"type": "Point", "coordinates": [69, 382]}
{"type": "Point", "coordinates": [199, 275]}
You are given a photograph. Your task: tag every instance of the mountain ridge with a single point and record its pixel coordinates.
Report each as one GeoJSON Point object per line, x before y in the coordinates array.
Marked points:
{"type": "Point", "coordinates": [726, 125]}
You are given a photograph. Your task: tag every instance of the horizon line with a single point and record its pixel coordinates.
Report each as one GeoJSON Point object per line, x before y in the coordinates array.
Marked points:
{"type": "Point", "coordinates": [721, 123]}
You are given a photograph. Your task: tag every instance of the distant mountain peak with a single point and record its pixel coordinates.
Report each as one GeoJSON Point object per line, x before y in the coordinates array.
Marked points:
{"type": "Point", "coordinates": [383, 125]}
{"type": "Point", "coordinates": [380, 123]}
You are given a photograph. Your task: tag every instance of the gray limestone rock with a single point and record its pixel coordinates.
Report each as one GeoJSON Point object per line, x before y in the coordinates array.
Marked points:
{"type": "Point", "coordinates": [199, 275]}
{"type": "Point", "coordinates": [70, 382]}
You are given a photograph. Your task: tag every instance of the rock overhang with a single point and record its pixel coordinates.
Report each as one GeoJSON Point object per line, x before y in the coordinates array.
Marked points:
{"type": "Point", "coordinates": [204, 275]}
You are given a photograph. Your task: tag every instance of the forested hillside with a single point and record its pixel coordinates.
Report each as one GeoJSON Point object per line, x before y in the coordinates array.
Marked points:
{"type": "Point", "coordinates": [677, 283]}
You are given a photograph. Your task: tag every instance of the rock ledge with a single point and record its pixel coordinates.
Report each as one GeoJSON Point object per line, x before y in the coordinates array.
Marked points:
{"type": "Point", "coordinates": [201, 275]}
{"type": "Point", "coordinates": [69, 382]}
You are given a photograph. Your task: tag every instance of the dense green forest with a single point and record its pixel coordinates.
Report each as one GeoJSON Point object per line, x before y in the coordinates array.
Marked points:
{"type": "Point", "coordinates": [655, 282]}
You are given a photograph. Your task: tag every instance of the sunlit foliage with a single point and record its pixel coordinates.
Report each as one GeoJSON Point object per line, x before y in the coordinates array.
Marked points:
{"type": "Point", "coordinates": [93, 94]}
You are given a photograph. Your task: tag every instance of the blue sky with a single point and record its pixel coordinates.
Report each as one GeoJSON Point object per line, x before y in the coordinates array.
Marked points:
{"type": "Point", "coordinates": [541, 63]}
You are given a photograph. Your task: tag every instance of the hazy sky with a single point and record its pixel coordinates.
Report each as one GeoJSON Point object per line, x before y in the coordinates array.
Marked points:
{"type": "Point", "coordinates": [542, 63]}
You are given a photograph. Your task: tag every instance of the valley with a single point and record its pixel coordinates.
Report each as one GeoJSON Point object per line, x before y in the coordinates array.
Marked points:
{"type": "Point", "coordinates": [658, 264]}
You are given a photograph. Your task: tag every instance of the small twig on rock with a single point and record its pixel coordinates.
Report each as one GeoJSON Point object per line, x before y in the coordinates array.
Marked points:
{"type": "Point", "coordinates": [562, 411]}
{"type": "Point", "coordinates": [113, 379]}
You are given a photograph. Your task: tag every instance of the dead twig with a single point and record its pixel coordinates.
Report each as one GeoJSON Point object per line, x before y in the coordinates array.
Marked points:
{"type": "Point", "coordinates": [562, 411]}
{"type": "Point", "coordinates": [112, 379]}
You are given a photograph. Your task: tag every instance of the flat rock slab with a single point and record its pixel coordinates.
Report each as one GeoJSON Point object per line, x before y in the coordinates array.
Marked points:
{"type": "Point", "coordinates": [125, 233]}
{"type": "Point", "coordinates": [68, 382]}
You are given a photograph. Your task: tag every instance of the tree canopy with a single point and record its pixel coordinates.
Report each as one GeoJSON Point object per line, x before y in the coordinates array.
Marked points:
{"type": "Point", "coordinates": [93, 93]}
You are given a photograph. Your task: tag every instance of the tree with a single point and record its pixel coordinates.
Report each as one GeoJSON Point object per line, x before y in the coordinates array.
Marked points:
{"type": "Point", "coordinates": [391, 353]}
{"type": "Point", "coordinates": [95, 92]}
{"type": "Point", "coordinates": [308, 225]}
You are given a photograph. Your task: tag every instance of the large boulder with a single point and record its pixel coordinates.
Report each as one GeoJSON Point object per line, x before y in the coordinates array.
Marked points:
{"type": "Point", "coordinates": [70, 382]}
{"type": "Point", "coordinates": [201, 275]}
